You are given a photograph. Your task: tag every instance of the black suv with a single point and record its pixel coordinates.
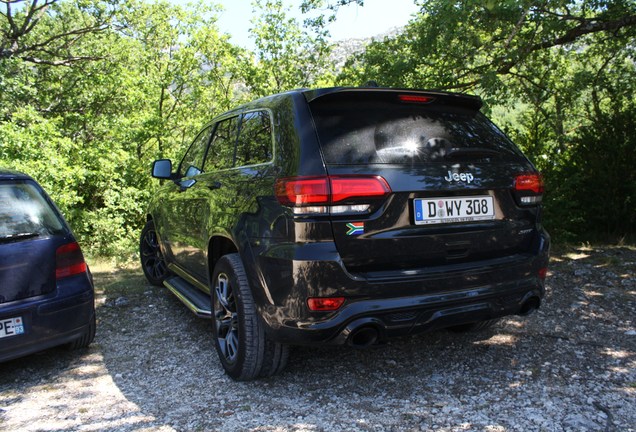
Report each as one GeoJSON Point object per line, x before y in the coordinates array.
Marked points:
{"type": "Point", "coordinates": [346, 216]}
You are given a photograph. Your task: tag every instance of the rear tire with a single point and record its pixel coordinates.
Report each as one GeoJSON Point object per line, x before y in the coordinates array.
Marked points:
{"type": "Point", "coordinates": [276, 356]}
{"type": "Point", "coordinates": [239, 337]}
{"type": "Point", "coordinates": [87, 338]}
{"type": "Point", "coordinates": [152, 261]}
{"type": "Point", "coordinates": [474, 327]}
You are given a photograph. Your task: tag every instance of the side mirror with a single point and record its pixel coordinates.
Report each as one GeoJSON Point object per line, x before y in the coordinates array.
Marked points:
{"type": "Point", "coordinates": [162, 169]}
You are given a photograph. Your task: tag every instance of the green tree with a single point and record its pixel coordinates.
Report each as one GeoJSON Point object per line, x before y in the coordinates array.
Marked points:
{"type": "Point", "coordinates": [182, 72]}
{"type": "Point", "coordinates": [287, 55]}
{"type": "Point", "coordinates": [87, 119]}
{"type": "Point", "coordinates": [552, 72]}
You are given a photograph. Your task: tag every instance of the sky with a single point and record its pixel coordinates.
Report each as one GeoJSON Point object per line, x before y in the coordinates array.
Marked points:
{"type": "Point", "coordinates": [352, 21]}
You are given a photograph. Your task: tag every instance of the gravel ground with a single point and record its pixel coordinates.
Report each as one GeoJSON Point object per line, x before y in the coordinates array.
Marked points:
{"type": "Point", "coordinates": [569, 367]}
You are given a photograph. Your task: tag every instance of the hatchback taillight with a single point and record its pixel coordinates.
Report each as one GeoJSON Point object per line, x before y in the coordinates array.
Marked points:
{"type": "Point", "coordinates": [69, 261]}
{"type": "Point", "coordinates": [330, 194]}
{"type": "Point", "coordinates": [529, 189]}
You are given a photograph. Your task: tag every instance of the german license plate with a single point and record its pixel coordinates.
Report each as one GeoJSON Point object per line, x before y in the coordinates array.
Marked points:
{"type": "Point", "coordinates": [453, 209]}
{"type": "Point", "coordinates": [11, 327]}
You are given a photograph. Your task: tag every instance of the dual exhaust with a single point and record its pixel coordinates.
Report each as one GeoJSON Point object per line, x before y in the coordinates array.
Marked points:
{"type": "Point", "coordinates": [529, 306]}
{"type": "Point", "coordinates": [365, 332]}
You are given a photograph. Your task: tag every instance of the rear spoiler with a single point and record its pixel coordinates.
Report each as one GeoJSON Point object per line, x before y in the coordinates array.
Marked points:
{"type": "Point", "coordinates": [447, 98]}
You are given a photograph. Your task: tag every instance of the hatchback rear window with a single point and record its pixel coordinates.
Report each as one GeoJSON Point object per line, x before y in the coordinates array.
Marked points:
{"type": "Point", "coordinates": [25, 213]}
{"type": "Point", "coordinates": [368, 132]}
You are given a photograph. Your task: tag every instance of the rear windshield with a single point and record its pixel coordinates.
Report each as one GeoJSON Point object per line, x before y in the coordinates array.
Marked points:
{"type": "Point", "coordinates": [24, 213]}
{"type": "Point", "coordinates": [366, 132]}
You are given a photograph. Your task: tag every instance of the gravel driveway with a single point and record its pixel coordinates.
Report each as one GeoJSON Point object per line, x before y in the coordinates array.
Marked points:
{"type": "Point", "coordinates": [571, 366]}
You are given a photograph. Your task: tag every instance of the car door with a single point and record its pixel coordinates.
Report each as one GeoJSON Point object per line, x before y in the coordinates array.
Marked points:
{"type": "Point", "coordinates": [252, 176]}
{"type": "Point", "coordinates": [180, 230]}
{"type": "Point", "coordinates": [200, 204]}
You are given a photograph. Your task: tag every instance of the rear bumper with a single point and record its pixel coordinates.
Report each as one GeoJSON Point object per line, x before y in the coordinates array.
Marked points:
{"type": "Point", "coordinates": [392, 317]}
{"type": "Point", "coordinates": [392, 305]}
{"type": "Point", "coordinates": [50, 320]}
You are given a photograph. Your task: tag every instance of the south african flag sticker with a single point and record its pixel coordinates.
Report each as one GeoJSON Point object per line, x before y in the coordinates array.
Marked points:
{"type": "Point", "coordinates": [355, 228]}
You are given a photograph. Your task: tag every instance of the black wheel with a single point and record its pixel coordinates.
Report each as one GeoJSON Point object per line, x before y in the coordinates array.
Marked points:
{"type": "Point", "coordinates": [152, 261]}
{"type": "Point", "coordinates": [474, 327]}
{"type": "Point", "coordinates": [87, 338]}
{"type": "Point", "coordinates": [241, 343]}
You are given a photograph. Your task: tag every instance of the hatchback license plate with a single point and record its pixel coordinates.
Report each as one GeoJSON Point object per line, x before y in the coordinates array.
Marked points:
{"type": "Point", "coordinates": [11, 327]}
{"type": "Point", "coordinates": [453, 209]}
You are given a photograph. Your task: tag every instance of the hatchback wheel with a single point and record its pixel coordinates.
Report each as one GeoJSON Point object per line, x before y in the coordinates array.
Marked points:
{"type": "Point", "coordinates": [152, 262]}
{"type": "Point", "coordinates": [240, 341]}
{"type": "Point", "coordinates": [87, 337]}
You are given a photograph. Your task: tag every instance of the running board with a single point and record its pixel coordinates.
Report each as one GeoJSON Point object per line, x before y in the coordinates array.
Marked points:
{"type": "Point", "coordinates": [197, 301]}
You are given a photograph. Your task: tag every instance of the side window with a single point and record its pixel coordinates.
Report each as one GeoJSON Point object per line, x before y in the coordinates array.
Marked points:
{"type": "Point", "coordinates": [192, 162]}
{"type": "Point", "coordinates": [255, 140]}
{"type": "Point", "coordinates": [221, 153]}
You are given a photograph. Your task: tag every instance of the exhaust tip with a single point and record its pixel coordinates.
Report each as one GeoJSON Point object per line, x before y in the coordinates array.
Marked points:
{"type": "Point", "coordinates": [363, 337]}
{"type": "Point", "coordinates": [529, 306]}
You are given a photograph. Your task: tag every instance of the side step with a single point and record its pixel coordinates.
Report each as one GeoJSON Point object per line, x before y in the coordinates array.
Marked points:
{"type": "Point", "coordinates": [196, 300]}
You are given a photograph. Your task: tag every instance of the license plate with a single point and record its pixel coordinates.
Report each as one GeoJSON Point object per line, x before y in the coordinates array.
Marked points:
{"type": "Point", "coordinates": [11, 327]}
{"type": "Point", "coordinates": [453, 209]}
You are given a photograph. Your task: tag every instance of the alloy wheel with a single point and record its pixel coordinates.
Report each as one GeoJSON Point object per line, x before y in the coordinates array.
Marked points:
{"type": "Point", "coordinates": [151, 256]}
{"type": "Point", "coordinates": [226, 318]}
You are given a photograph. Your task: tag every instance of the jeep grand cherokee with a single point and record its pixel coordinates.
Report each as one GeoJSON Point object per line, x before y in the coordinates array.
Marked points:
{"type": "Point", "coordinates": [346, 216]}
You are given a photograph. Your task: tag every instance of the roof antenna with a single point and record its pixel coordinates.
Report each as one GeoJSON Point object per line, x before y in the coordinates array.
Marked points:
{"type": "Point", "coordinates": [372, 83]}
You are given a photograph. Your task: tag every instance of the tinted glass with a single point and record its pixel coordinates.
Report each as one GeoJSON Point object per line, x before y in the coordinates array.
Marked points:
{"type": "Point", "coordinates": [192, 163]}
{"type": "Point", "coordinates": [221, 153]}
{"type": "Point", "coordinates": [255, 139]}
{"type": "Point", "coordinates": [363, 133]}
{"type": "Point", "coordinates": [25, 212]}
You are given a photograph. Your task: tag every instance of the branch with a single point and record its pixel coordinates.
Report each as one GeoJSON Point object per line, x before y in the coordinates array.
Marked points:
{"type": "Point", "coordinates": [571, 35]}
{"type": "Point", "coordinates": [517, 28]}
{"type": "Point", "coordinates": [76, 32]}
{"type": "Point", "coordinates": [33, 16]}
{"type": "Point", "coordinates": [588, 27]}
{"type": "Point", "coordinates": [9, 17]}
{"type": "Point", "coordinates": [65, 62]}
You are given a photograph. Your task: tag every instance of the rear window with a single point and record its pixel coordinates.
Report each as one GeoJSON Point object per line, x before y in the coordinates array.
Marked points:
{"type": "Point", "coordinates": [370, 132]}
{"type": "Point", "coordinates": [25, 213]}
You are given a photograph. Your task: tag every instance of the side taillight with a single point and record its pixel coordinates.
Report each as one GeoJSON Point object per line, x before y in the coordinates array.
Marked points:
{"type": "Point", "coordinates": [69, 261]}
{"type": "Point", "coordinates": [330, 194]}
{"type": "Point", "coordinates": [529, 189]}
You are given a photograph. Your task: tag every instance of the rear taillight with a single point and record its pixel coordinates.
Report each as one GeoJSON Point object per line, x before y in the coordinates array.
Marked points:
{"type": "Point", "coordinates": [330, 194]}
{"type": "Point", "coordinates": [529, 189]}
{"type": "Point", "coordinates": [69, 261]}
{"type": "Point", "coordinates": [303, 191]}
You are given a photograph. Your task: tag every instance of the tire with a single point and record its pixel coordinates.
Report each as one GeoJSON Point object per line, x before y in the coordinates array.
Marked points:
{"type": "Point", "coordinates": [87, 338]}
{"type": "Point", "coordinates": [152, 261]}
{"type": "Point", "coordinates": [275, 360]}
{"type": "Point", "coordinates": [241, 344]}
{"type": "Point", "coordinates": [474, 327]}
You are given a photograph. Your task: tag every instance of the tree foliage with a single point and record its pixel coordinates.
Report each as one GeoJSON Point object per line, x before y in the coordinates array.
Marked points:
{"type": "Point", "coordinates": [287, 54]}
{"type": "Point", "coordinates": [94, 90]}
{"type": "Point", "coordinates": [553, 72]}
{"type": "Point", "coordinates": [24, 35]}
